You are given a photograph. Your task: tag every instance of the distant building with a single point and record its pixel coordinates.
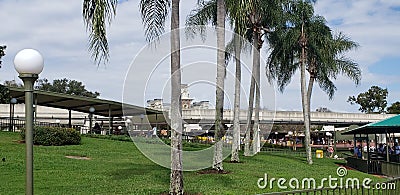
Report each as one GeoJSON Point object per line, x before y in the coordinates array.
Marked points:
{"type": "Point", "coordinates": [155, 103]}
{"type": "Point", "coordinates": [186, 100]}
{"type": "Point", "coordinates": [201, 105]}
{"type": "Point", "coordinates": [322, 109]}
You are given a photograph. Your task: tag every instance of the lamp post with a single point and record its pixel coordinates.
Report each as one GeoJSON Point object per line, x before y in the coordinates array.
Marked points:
{"type": "Point", "coordinates": [141, 121]}
{"type": "Point", "coordinates": [29, 64]}
{"type": "Point", "coordinates": [91, 110]}
{"type": "Point", "coordinates": [119, 128]}
{"type": "Point", "coordinates": [128, 125]}
{"type": "Point", "coordinates": [13, 101]}
{"type": "Point", "coordinates": [290, 133]}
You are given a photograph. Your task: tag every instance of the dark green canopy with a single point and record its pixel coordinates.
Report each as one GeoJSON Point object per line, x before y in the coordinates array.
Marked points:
{"type": "Point", "coordinates": [389, 125]}
{"type": "Point", "coordinates": [102, 107]}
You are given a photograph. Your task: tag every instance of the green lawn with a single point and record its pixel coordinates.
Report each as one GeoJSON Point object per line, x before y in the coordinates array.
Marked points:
{"type": "Point", "coordinates": [117, 167]}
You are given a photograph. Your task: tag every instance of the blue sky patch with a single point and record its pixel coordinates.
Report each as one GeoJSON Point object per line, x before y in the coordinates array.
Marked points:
{"type": "Point", "coordinates": [386, 66]}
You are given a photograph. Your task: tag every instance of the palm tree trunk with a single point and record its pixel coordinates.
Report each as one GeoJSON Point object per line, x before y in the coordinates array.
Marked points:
{"type": "Point", "coordinates": [305, 104]}
{"type": "Point", "coordinates": [219, 98]}
{"type": "Point", "coordinates": [309, 91]}
{"type": "Point", "coordinates": [176, 180]}
{"type": "Point", "coordinates": [249, 114]}
{"type": "Point", "coordinates": [236, 107]}
{"type": "Point", "coordinates": [256, 63]}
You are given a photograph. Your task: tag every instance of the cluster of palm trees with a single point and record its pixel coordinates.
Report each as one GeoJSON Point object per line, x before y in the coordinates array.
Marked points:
{"type": "Point", "coordinates": [297, 39]}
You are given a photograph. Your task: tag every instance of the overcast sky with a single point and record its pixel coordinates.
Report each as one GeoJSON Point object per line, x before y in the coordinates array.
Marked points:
{"type": "Point", "coordinates": [56, 29]}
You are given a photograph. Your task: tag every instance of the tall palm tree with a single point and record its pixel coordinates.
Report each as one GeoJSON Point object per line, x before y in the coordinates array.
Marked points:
{"type": "Point", "coordinates": [306, 42]}
{"type": "Point", "coordinates": [219, 96]}
{"type": "Point", "coordinates": [251, 19]}
{"type": "Point", "coordinates": [97, 13]}
{"type": "Point", "coordinates": [263, 17]}
{"type": "Point", "coordinates": [282, 64]}
{"type": "Point", "coordinates": [154, 14]}
{"type": "Point", "coordinates": [207, 13]}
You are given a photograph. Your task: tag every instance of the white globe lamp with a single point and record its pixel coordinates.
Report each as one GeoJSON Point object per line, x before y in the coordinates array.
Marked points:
{"type": "Point", "coordinates": [28, 61]}
{"type": "Point", "coordinates": [29, 64]}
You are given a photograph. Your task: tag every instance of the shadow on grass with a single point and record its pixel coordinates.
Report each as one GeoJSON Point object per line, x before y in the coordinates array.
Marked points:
{"type": "Point", "coordinates": [292, 157]}
{"type": "Point", "coordinates": [129, 170]}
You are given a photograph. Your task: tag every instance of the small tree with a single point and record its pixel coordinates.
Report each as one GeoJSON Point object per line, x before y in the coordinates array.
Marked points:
{"type": "Point", "coordinates": [5, 92]}
{"type": "Point", "coordinates": [66, 86]}
{"type": "Point", "coordinates": [394, 108]}
{"type": "Point", "coordinates": [371, 101]}
{"type": "Point", "coordinates": [2, 53]}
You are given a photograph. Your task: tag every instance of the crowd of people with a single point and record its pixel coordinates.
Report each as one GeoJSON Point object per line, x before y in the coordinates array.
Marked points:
{"type": "Point", "coordinates": [382, 150]}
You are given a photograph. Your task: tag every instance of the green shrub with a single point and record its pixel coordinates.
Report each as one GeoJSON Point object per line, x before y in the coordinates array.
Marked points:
{"type": "Point", "coordinates": [54, 136]}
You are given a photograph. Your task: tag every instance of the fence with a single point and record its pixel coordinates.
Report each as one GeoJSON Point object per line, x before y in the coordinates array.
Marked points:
{"type": "Point", "coordinates": [391, 168]}
{"type": "Point", "coordinates": [391, 187]}
{"type": "Point", "coordinates": [17, 124]}
{"type": "Point", "coordinates": [284, 151]}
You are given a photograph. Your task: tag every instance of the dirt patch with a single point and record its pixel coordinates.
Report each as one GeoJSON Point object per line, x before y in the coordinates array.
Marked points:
{"type": "Point", "coordinates": [19, 141]}
{"type": "Point", "coordinates": [185, 193]}
{"type": "Point", "coordinates": [235, 162]}
{"type": "Point", "coordinates": [78, 157]}
{"type": "Point", "coordinates": [212, 171]}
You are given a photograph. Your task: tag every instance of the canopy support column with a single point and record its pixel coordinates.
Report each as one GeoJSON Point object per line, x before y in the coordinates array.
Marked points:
{"type": "Point", "coordinates": [110, 120]}
{"type": "Point", "coordinates": [354, 143]}
{"type": "Point", "coordinates": [387, 146]}
{"type": "Point", "coordinates": [334, 141]}
{"type": "Point", "coordinates": [368, 162]}
{"type": "Point", "coordinates": [70, 118]}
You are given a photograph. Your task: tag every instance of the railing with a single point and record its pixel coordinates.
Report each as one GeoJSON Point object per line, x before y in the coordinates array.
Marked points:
{"type": "Point", "coordinates": [391, 169]}
{"type": "Point", "coordinates": [15, 124]}
{"type": "Point", "coordinates": [373, 167]}
{"type": "Point", "coordinates": [357, 163]}
{"type": "Point", "coordinates": [283, 151]}
{"type": "Point", "coordinates": [18, 123]}
{"type": "Point", "coordinates": [391, 187]}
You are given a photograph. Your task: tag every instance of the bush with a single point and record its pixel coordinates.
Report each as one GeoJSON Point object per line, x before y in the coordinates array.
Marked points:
{"type": "Point", "coordinates": [54, 136]}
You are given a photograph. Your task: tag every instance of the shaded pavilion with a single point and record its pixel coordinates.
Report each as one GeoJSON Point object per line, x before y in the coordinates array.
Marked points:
{"type": "Point", "coordinates": [105, 108]}
{"type": "Point", "coordinates": [387, 164]}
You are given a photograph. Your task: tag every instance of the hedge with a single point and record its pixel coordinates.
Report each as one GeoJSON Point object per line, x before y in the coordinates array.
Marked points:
{"type": "Point", "coordinates": [54, 136]}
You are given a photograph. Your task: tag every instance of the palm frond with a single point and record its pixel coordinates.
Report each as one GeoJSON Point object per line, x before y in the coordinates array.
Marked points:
{"type": "Point", "coordinates": [96, 15]}
{"type": "Point", "coordinates": [203, 15]}
{"type": "Point", "coordinates": [154, 14]}
{"type": "Point", "coordinates": [349, 69]}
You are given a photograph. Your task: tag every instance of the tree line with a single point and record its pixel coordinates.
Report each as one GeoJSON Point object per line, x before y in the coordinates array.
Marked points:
{"type": "Point", "coordinates": [374, 101]}
{"type": "Point", "coordinates": [64, 86]}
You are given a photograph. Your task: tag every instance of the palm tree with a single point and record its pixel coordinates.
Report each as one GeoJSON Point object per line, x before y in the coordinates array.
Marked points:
{"type": "Point", "coordinates": [306, 42]}
{"type": "Point", "coordinates": [289, 43]}
{"type": "Point", "coordinates": [263, 16]}
{"type": "Point", "coordinates": [207, 13]}
{"type": "Point", "coordinates": [251, 19]}
{"type": "Point", "coordinates": [154, 13]}
{"type": "Point", "coordinates": [97, 13]}
{"type": "Point", "coordinates": [219, 96]}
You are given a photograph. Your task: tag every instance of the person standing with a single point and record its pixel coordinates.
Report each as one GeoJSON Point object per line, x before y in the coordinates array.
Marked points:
{"type": "Point", "coordinates": [330, 151]}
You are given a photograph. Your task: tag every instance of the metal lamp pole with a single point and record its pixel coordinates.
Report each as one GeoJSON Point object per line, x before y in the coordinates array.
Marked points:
{"type": "Point", "coordinates": [29, 64]}
{"type": "Point", "coordinates": [91, 110]}
{"type": "Point", "coordinates": [141, 122]}
{"type": "Point", "coordinates": [128, 125]}
{"type": "Point", "coordinates": [13, 101]}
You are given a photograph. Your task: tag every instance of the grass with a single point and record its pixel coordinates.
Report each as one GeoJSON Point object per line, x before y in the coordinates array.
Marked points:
{"type": "Point", "coordinates": [117, 167]}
